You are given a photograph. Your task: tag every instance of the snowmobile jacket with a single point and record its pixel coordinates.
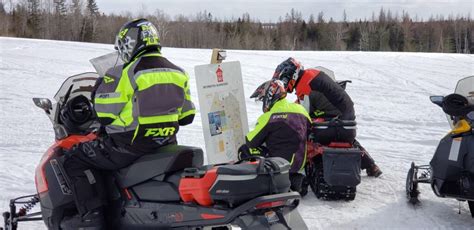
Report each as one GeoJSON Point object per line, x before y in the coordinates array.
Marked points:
{"type": "Point", "coordinates": [329, 98]}
{"type": "Point", "coordinates": [320, 107]}
{"type": "Point", "coordinates": [283, 130]}
{"type": "Point", "coordinates": [143, 103]}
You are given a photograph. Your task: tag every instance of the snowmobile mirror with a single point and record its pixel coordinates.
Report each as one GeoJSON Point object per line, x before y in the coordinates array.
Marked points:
{"type": "Point", "coordinates": [470, 115]}
{"type": "Point", "coordinates": [438, 100]}
{"type": "Point", "coordinates": [43, 103]}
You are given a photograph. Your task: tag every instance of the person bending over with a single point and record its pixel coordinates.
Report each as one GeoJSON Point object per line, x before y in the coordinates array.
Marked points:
{"type": "Point", "coordinates": [281, 130]}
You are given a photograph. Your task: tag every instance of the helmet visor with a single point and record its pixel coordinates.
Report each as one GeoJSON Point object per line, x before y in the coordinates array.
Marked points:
{"type": "Point", "coordinates": [259, 93]}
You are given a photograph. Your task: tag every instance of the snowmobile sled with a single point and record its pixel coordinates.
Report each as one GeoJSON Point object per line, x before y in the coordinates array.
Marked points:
{"type": "Point", "coordinates": [333, 170]}
{"type": "Point", "coordinates": [451, 170]}
{"type": "Point", "coordinates": [333, 166]}
{"type": "Point", "coordinates": [170, 189]}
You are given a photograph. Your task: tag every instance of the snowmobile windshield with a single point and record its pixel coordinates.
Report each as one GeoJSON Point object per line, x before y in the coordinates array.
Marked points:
{"type": "Point", "coordinates": [81, 84]}
{"type": "Point", "coordinates": [465, 87]}
{"type": "Point", "coordinates": [105, 62]}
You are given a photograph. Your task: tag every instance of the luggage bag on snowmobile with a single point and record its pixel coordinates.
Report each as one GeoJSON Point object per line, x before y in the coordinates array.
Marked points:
{"type": "Point", "coordinates": [333, 171]}
{"type": "Point", "coordinates": [235, 183]}
{"type": "Point", "coordinates": [334, 131]}
{"type": "Point", "coordinates": [341, 166]}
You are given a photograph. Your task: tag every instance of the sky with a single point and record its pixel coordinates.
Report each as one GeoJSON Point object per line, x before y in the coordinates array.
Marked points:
{"type": "Point", "coordinates": [271, 10]}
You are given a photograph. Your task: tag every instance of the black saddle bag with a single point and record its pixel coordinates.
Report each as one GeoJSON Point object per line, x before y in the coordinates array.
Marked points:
{"type": "Point", "coordinates": [342, 166]}
{"type": "Point", "coordinates": [334, 131]}
{"type": "Point", "coordinates": [246, 180]}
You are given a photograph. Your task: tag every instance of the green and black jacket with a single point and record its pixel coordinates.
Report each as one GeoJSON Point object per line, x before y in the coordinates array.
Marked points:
{"type": "Point", "coordinates": [284, 131]}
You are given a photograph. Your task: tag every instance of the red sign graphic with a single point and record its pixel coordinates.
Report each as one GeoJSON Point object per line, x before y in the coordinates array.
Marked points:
{"type": "Point", "coordinates": [219, 73]}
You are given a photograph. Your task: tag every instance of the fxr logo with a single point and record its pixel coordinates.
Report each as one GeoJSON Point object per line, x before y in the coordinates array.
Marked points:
{"type": "Point", "coordinates": [160, 132]}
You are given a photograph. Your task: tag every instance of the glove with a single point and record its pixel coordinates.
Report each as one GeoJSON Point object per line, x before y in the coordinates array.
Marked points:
{"type": "Point", "coordinates": [243, 152]}
{"type": "Point", "coordinates": [262, 151]}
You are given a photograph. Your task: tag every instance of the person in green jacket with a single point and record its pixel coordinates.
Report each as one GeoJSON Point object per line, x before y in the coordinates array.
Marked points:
{"type": "Point", "coordinates": [281, 131]}
{"type": "Point", "coordinates": [140, 106]}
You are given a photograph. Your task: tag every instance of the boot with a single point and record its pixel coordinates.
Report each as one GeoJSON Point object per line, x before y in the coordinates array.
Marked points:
{"type": "Point", "coordinates": [92, 220]}
{"type": "Point", "coordinates": [296, 181]}
{"type": "Point", "coordinates": [374, 171]}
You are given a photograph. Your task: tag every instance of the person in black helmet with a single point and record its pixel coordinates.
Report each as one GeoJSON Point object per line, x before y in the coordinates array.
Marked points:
{"type": "Point", "coordinates": [134, 121]}
{"type": "Point", "coordinates": [281, 131]}
{"type": "Point", "coordinates": [327, 101]}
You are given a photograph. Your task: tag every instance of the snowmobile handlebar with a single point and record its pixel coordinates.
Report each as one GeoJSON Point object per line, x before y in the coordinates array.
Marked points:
{"type": "Point", "coordinates": [455, 105]}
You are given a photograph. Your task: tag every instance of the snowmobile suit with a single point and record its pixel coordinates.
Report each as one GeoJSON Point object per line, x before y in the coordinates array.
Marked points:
{"type": "Point", "coordinates": [284, 131]}
{"type": "Point", "coordinates": [320, 107]}
{"type": "Point", "coordinates": [141, 105]}
{"type": "Point", "coordinates": [315, 80]}
{"type": "Point", "coordinates": [321, 88]}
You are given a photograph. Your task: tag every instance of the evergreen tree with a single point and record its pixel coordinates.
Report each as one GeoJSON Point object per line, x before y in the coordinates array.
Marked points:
{"type": "Point", "coordinates": [90, 21]}
{"type": "Point", "coordinates": [33, 19]}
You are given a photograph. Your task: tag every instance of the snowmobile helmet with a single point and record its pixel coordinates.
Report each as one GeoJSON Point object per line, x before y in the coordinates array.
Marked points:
{"type": "Point", "coordinates": [269, 93]}
{"type": "Point", "coordinates": [77, 115]}
{"type": "Point", "coordinates": [135, 37]}
{"type": "Point", "coordinates": [288, 72]}
{"type": "Point", "coordinates": [456, 105]}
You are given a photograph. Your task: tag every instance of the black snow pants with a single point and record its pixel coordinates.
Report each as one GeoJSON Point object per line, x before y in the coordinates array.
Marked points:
{"type": "Point", "coordinates": [85, 165]}
{"type": "Point", "coordinates": [367, 161]}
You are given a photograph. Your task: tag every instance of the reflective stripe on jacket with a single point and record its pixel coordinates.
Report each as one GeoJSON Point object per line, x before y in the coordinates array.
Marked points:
{"type": "Point", "coordinates": [284, 131]}
{"type": "Point", "coordinates": [143, 103]}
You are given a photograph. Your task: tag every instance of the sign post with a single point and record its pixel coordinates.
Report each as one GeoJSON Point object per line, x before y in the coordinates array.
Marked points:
{"type": "Point", "coordinates": [222, 106]}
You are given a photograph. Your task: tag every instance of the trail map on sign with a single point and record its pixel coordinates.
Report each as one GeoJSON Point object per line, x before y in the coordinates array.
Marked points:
{"type": "Point", "coordinates": [223, 112]}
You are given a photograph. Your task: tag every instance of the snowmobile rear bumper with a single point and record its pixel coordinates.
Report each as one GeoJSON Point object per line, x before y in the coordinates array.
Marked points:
{"type": "Point", "coordinates": [276, 211]}
{"type": "Point", "coordinates": [12, 217]}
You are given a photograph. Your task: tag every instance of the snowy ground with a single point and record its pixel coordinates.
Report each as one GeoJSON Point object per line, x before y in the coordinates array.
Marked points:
{"type": "Point", "coordinates": [397, 123]}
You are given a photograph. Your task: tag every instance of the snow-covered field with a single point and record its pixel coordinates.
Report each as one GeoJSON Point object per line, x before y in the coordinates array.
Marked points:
{"type": "Point", "coordinates": [397, 123]}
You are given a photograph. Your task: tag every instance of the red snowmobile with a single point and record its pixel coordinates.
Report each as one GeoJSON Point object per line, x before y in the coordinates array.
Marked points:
{"type": "Point", "coordinates": [170, 189]}
{"type": "Point", "coordinates": [333, 166]}
{"type": "Point", "coordinates": [333, 170]}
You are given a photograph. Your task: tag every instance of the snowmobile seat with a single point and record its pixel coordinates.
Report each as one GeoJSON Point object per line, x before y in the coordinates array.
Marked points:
{"type": "Point", "coordinates": [157, 190]}
{"type": "Point", "coordinates": [156, 166]}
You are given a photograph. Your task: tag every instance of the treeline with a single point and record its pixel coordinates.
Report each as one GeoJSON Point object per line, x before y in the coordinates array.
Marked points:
{"type": "Point", "coordinates": [81, 20]}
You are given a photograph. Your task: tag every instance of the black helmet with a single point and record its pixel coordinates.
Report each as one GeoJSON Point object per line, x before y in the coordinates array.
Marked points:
{"type": "Point", "coordinates": [269, 92]}
{"type": "Point", "coordinates": [135, 37]}
{"type": "Point", "coordinates": [77, 115]}
{"type": "Point", "coordinates": [288, 72]}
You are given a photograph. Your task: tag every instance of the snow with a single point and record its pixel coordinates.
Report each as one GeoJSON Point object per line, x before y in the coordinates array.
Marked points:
{"type": "Point", "coordinates": [397, 123]}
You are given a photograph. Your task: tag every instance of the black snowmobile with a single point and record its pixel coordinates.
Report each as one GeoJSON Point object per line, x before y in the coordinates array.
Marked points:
{"type": "Point", "coordinates": [333, 169]}
{"type": "Point", "coordinates": [170, 189]}
{"type": "Point", "coordinates": [451, 170]}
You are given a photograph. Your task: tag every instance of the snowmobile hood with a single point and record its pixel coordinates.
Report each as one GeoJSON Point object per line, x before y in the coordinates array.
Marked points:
{"type": "Point", "coordinates": [461, 126]}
